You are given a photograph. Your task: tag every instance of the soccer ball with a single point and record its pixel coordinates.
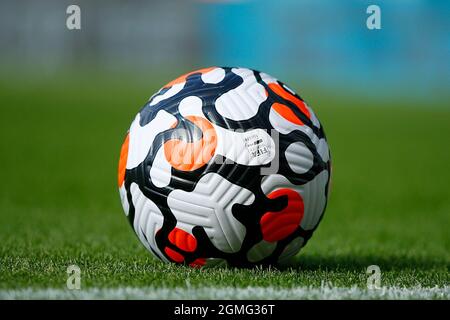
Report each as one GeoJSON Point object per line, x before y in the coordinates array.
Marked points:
{"type": "Point", "coordinates": [224, 165]}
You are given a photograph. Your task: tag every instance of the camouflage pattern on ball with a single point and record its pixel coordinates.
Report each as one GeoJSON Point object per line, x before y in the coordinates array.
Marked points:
{"type": "Point", "coordinates": [224, 165]}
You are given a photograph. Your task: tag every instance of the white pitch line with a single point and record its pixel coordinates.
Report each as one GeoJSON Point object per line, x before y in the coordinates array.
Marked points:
{"type": "Point", "coordinates": [193, 293]}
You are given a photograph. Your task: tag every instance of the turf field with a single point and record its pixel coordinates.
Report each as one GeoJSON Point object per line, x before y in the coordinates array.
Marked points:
{"type": "Point", "coordinates": [59, 204]}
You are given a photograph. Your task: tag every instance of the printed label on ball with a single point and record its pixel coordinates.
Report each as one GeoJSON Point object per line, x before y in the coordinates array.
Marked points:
{"type": "Point", "coordinates": [256, 146]}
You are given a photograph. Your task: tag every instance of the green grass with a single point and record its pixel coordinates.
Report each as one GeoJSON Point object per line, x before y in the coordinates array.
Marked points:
{"type": "Point", "coordinates": [59, 205]}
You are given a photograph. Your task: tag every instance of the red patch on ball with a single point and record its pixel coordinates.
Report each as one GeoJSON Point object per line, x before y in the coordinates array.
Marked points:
{"type": "Point", "coordinates": [278, 225]}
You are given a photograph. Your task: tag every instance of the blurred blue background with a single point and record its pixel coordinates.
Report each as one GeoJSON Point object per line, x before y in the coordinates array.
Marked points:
{"type": "Point", "coordinates": [328, 42]}
{"type": "Point", "coordinates": [321, 43]}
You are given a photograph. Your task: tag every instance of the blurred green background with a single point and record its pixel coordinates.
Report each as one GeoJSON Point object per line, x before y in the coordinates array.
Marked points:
{"type": "Point", "coordinates": [68, 97]}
